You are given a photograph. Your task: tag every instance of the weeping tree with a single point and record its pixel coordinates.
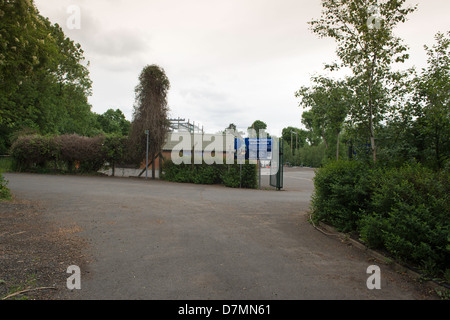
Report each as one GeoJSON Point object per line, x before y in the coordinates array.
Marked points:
{"type": "Point", "coordinates": [150, 113]}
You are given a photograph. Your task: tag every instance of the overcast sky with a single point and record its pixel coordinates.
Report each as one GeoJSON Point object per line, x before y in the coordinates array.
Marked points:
{"type": "Point", "coordinates": [228, 61]}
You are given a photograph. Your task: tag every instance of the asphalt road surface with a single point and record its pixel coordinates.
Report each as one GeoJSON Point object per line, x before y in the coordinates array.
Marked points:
{"type": "Point", "coordinates": [160, 240]}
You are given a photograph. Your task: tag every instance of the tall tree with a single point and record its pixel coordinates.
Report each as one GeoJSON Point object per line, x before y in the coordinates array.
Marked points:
{"type": "Point", "coordinates": [329, 102]}
{"type": "Point", "coordinates": [300, 137]}
{"type": "Point", "coordinates": [310, 122]}
{"type": "Point", "coordinates": [432, 99]}
{"type": "Point", "coordinates": [257, 126]}
{"type": "Point", "coordinates": [363, 30]}
{"type": "Point", "coordinates": [150, 113]}
{"type": "Point", "coordinates": [114, 122]}
{"type": "Point", "coordinates": [44, 80]}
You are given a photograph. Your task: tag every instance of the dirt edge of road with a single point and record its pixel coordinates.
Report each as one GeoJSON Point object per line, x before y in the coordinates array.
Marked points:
{"type": "Point", "coordinates": [428, 287]}
{"type": "Point", "coordinates": [35, 253]}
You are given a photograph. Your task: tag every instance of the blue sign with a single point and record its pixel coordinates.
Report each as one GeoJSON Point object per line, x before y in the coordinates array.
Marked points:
{"type": "Point", "coordinates": [253, 148]}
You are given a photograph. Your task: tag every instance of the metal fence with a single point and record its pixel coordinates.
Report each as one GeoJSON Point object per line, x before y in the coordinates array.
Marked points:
{"type": "Point", "coordinates": [276, 179]}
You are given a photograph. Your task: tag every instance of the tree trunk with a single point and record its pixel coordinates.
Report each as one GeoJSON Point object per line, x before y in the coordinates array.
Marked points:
{"type": "Point", "coordinates": [372, 138]}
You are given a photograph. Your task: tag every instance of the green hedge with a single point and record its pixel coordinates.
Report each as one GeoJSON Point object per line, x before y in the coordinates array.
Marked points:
{"type": "Point", "coordinates": [33, 151]}
{"type": "Point", "coordinates": [5, 194]}
{"type": "Point", "coordinates": [66, 153]}
{"type": "Point", "coordinates": [229, 175]}
{"type": "Point", "coordinates": [405, 211]}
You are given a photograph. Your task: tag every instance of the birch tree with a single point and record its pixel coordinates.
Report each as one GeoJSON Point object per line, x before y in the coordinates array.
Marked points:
{"type": "Point", "coordinates": [366, 45]}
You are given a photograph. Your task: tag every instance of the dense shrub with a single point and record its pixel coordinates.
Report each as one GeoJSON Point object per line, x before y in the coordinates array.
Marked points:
{"type": "Point", "coordinates": [5, 194]}
{"type": "Point", "coordinates": [405, 211]}
{"type": "Point", "coordinates": [81, 154]}
{"type": "Point", "coordinates": [409, 216]}
{"type": "Point", "coordinates": [229, 175]}
{"type": "Point", "coordinates": [33, 151]}
{"type": "Point", "coordinates": [206, 174]}
{"type": "Point", "coordinates": [311, 156]}
{"type": "Point", "coordinates": [177, 173]}
{"type": "Point", "coordinates": [62, 153]}
{"type": "Point", "coordinates": [342, 193]}
{"type": "Point", "coordinates": [114, 149]}
{"type": "Point", "coordinates": [236, 175]}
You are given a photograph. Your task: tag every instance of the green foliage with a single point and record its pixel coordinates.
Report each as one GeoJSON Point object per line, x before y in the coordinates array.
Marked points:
{"type": "Point", "coordinates": [177, 173]}
{"type": "Point", "coordinates": [295, 136]}
{"type": "Point", "coordinates": [311, 156]}
{"type": "Point", "coordinates": [229, 175]}
{"type": "Point", "coordinates": [237, 175]}
{"type": "Point", "coordinates": [329, 102]}
{"type": "Point", "coordinates": [66, 153]}
{"type": "Point", "coordinates": [33, 151]}
{"type": "Point", "coordinates": [206, 174]}
{"type": "Point", "coordinates": [363, 31]}
{"type": "Point", "coordinates": [113, 148]}
{"type": "Point", "coordinates": [44, 80]}
{"type": "Point", "coordinates": [5, 164]}
{"type": "Point", "coordinates": [258, 125]}
{"type": "Point", "coordinates": [5, 193]}
{"type": "Point", "coordinates": [409, 216]}
{"type": "Point", "coordinates": [81, 154]}
{"type": "Point", "coordinates": [431, 103]}
{"type": "Point", "coordinates": [342, 191]}
{"type": "Point", "coordinates": [113, 122]}
{"type": "Point", "coordinates": [404, 211]}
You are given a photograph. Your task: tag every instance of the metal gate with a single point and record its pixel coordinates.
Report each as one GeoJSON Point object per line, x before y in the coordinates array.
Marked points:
{"type": "Point", "coordinates": [276, 167]}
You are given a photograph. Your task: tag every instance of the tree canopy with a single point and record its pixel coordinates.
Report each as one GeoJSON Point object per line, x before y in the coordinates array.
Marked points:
{"type": "Point", "coordinates": [366, 45]}
{"type": "Point", "coordinates": [258, 125]}
{"type": "Point", "coordinates": [44, 78]}
{"type": "Point", "coordinates": [328, 102]}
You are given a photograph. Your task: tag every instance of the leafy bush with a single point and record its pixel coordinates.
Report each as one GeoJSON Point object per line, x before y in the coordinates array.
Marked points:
{"type": "Point", "coordinates": [311, 156]}
{"type": "Point", "coordinates": [81, 154]}
{"type": "Point", "coordinates": [409, 216]}
{"type": "Point", "coordinates": [33, 151]}
{"type": "Point", "coordinates": [342, 192]}
{"type": "Point", "coordinates": [5, 194]}
{"type": "Point", "coordinates": [177, 173]}
{"type": "Point", "coordinates": [113, 148]}
{"type": "Point", "coordinates": [206, 174]}
{"type": "Point", "coordinates": [66, 152]}
{"type": "Point", "coordinates": [404, 211]}
{"type": "Point", "coordinates": [249, 175]}
{"type": "Point", "coordinates": [6, 164]}
{"type": "Point", "coordinates": [231, 176]}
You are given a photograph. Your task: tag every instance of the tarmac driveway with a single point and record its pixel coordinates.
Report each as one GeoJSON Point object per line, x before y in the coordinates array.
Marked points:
{"type": "Point", "coordinates": [160, 240]}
